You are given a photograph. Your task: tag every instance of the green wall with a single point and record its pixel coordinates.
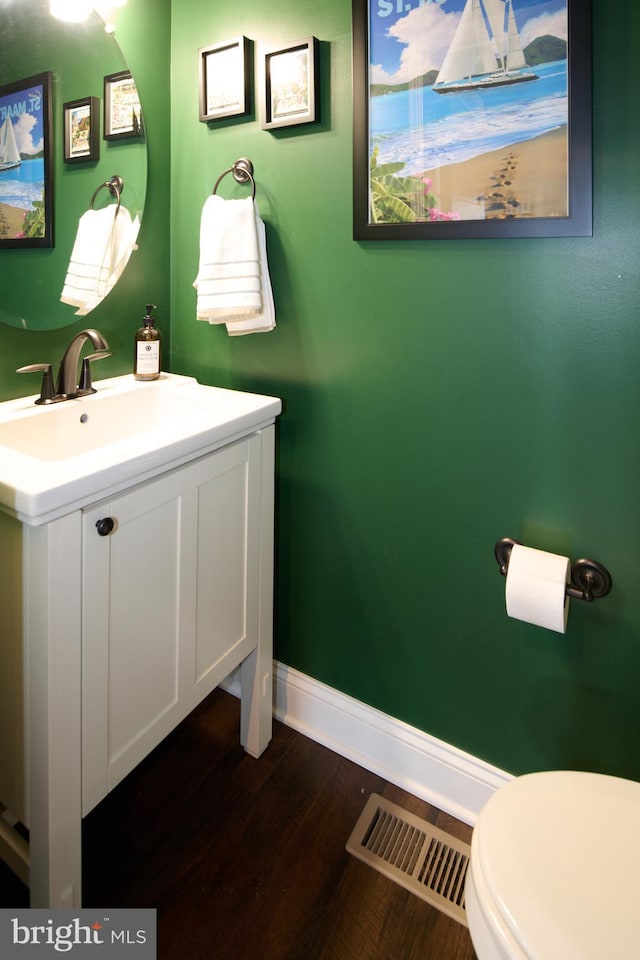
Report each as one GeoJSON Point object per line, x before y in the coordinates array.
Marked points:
{"type": "Point", "coordinates": [438, 396]}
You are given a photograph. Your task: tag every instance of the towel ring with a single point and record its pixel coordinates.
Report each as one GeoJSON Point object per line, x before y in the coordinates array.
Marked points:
{"type": "Point", "coordinates": [242, 171]}
{"type": "Point", "coordinates": [115, 186]}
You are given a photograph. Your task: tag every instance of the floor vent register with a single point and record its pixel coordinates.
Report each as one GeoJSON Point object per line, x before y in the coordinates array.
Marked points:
{"type": "Point", "coordinates": [420, 857]}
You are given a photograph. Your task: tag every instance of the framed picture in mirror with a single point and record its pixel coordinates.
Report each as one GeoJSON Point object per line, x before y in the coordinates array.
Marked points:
{"type": "Point", "coordinates": [122, 110]}
{"type": "Point", "coordinates": [81, 125]}
{"type": "Point", "coordinates": [26, 184]}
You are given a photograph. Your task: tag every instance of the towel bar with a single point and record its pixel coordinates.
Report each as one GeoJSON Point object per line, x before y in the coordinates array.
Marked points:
{"type": "Point", "coordinates": [242, 171]}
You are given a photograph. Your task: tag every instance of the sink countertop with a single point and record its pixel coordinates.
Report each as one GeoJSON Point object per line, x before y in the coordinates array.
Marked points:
{"type": "Point", "coordinates": [60, 457]}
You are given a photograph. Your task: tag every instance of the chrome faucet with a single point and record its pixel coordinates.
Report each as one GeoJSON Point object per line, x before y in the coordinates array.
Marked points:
{"type": "Point", "coordinates": [68, 383]}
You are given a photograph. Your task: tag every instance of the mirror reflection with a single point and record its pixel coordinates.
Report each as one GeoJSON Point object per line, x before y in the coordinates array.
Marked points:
{"type": "Point", "coordinates": [79, 56]}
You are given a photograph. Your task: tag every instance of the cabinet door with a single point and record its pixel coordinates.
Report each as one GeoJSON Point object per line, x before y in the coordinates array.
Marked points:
{"type": "Point", "coordinates": [165, 612]}
{"type": "Point", "coordinates": [227, 595]}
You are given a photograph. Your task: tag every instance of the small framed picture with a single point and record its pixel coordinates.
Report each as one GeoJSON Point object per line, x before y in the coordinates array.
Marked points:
{"type": "Point", "coordinates": [122, 110]}
{"type": "Point", "coordinates": [225, 79]}
{"type": "Point", "coordinates": [291, 85]}
{"type": "Point", "coordinates": [81, 124]}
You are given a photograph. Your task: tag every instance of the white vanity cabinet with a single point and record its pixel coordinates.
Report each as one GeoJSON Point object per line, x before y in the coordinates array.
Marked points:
{"type": "Point", "coordinates": [170, 605]}
{"type": "Point", "coordinates": [110, 635]}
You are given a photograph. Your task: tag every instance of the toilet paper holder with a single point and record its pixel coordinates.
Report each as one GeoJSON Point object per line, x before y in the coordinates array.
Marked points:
{"type": "Point", "coordinates": [590, 580]}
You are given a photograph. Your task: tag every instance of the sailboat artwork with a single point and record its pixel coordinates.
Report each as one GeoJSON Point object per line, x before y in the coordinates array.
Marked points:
{"type": "Point", "coordinates": [26, 214]}
{"type": "Point", "coordinates": [9, 153]}
{"type": "Point", "coordinates": [486, 50]}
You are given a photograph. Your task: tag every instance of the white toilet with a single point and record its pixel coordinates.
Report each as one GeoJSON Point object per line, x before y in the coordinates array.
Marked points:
{"type": "Point", "coordinates": [553, 873]}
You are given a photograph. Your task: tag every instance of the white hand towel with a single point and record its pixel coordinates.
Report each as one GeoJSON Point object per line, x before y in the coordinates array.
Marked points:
{"type": "Point", "coordinates": [104, 242]}
{"type": "Point", "coordinates": [266, 320]}
{"type": "Point", "coordinates": [228, 282]}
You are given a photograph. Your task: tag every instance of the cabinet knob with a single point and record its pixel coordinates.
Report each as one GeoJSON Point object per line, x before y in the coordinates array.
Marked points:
{"type": "Point", "coordinates": [105, 526]}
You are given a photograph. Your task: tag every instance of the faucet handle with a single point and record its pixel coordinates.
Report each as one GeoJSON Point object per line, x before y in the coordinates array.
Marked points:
{"type": "Point", "coordinates": [85, 387]}
{"type": "Point", "coordinates": [47, 390]}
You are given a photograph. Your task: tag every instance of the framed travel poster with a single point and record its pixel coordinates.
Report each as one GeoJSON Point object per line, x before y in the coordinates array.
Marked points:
{"type": "Point", "coordinates": [472, 119]}
{"type": "Point", "coordinates": [26, 185]}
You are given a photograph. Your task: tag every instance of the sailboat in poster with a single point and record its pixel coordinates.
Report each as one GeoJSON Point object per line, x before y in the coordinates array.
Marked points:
{"type": "Point", "coordinates": [486, 50]}
{"type": "Point", "coordinates": [9, 153]}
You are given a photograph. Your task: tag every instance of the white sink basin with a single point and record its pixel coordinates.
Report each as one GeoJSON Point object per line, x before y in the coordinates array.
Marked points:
{"type": "Point", "coordinates": [58, 457]}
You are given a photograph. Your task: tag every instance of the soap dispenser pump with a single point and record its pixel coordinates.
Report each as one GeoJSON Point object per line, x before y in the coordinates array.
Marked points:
{"type": "Point", "coordinates": [146, 357]}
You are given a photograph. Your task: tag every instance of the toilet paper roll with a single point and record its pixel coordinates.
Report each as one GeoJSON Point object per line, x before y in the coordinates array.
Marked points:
{"type": "Point", "coordinates": [536, 587]}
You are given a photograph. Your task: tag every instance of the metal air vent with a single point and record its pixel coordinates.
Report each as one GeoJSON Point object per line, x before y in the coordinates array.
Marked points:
{"type": "Point", "coordinates": [412, 852]}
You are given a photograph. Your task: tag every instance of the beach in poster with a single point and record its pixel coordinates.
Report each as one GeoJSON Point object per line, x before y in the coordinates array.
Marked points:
{"type": "Point", "coordinates": [22, 161]}
{"type": "Point", "coordinates": [481, 150]}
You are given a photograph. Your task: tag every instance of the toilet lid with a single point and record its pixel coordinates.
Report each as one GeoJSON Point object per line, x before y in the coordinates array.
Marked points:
{"type": "Point", "coordinates": [558, 856]}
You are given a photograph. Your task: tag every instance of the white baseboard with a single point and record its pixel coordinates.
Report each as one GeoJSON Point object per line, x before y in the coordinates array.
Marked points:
{"type": "Point", "coordinates": [441, 774]}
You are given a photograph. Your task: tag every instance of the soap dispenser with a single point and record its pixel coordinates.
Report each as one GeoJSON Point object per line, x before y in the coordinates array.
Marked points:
{"type": "Point", "coordinates": [146, 357]}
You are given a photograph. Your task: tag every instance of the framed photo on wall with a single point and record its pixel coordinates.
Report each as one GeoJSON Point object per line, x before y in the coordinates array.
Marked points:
{"type": "Point", "coordinates": [291, 85]}
{"type": "Point", "coordinates": [224, 72]}
{"type": "Point", "coordinates": [26, 182]}
{"type": "Point", "coordinates": [472, 119]}
{"type": "Point", "coordinates": [81, 126]}
{"type": "Point", "coordinates": [122, 109]}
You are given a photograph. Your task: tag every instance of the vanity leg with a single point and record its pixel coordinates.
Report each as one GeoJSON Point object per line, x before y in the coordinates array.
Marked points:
{"type": "Point", "coordinates": [256, 675]}
{"type": "Point", "coordinates": [256, 708]}
{"type": "Point", "coordinates": [53, 631]}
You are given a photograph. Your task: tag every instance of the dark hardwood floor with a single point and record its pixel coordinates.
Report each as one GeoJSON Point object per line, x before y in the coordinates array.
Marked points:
{"type": "Point", "coordinates": [245, 859]}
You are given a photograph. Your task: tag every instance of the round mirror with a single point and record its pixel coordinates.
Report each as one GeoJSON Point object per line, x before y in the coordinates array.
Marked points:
{"type": "Point", "coordinates": [79, 56]}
